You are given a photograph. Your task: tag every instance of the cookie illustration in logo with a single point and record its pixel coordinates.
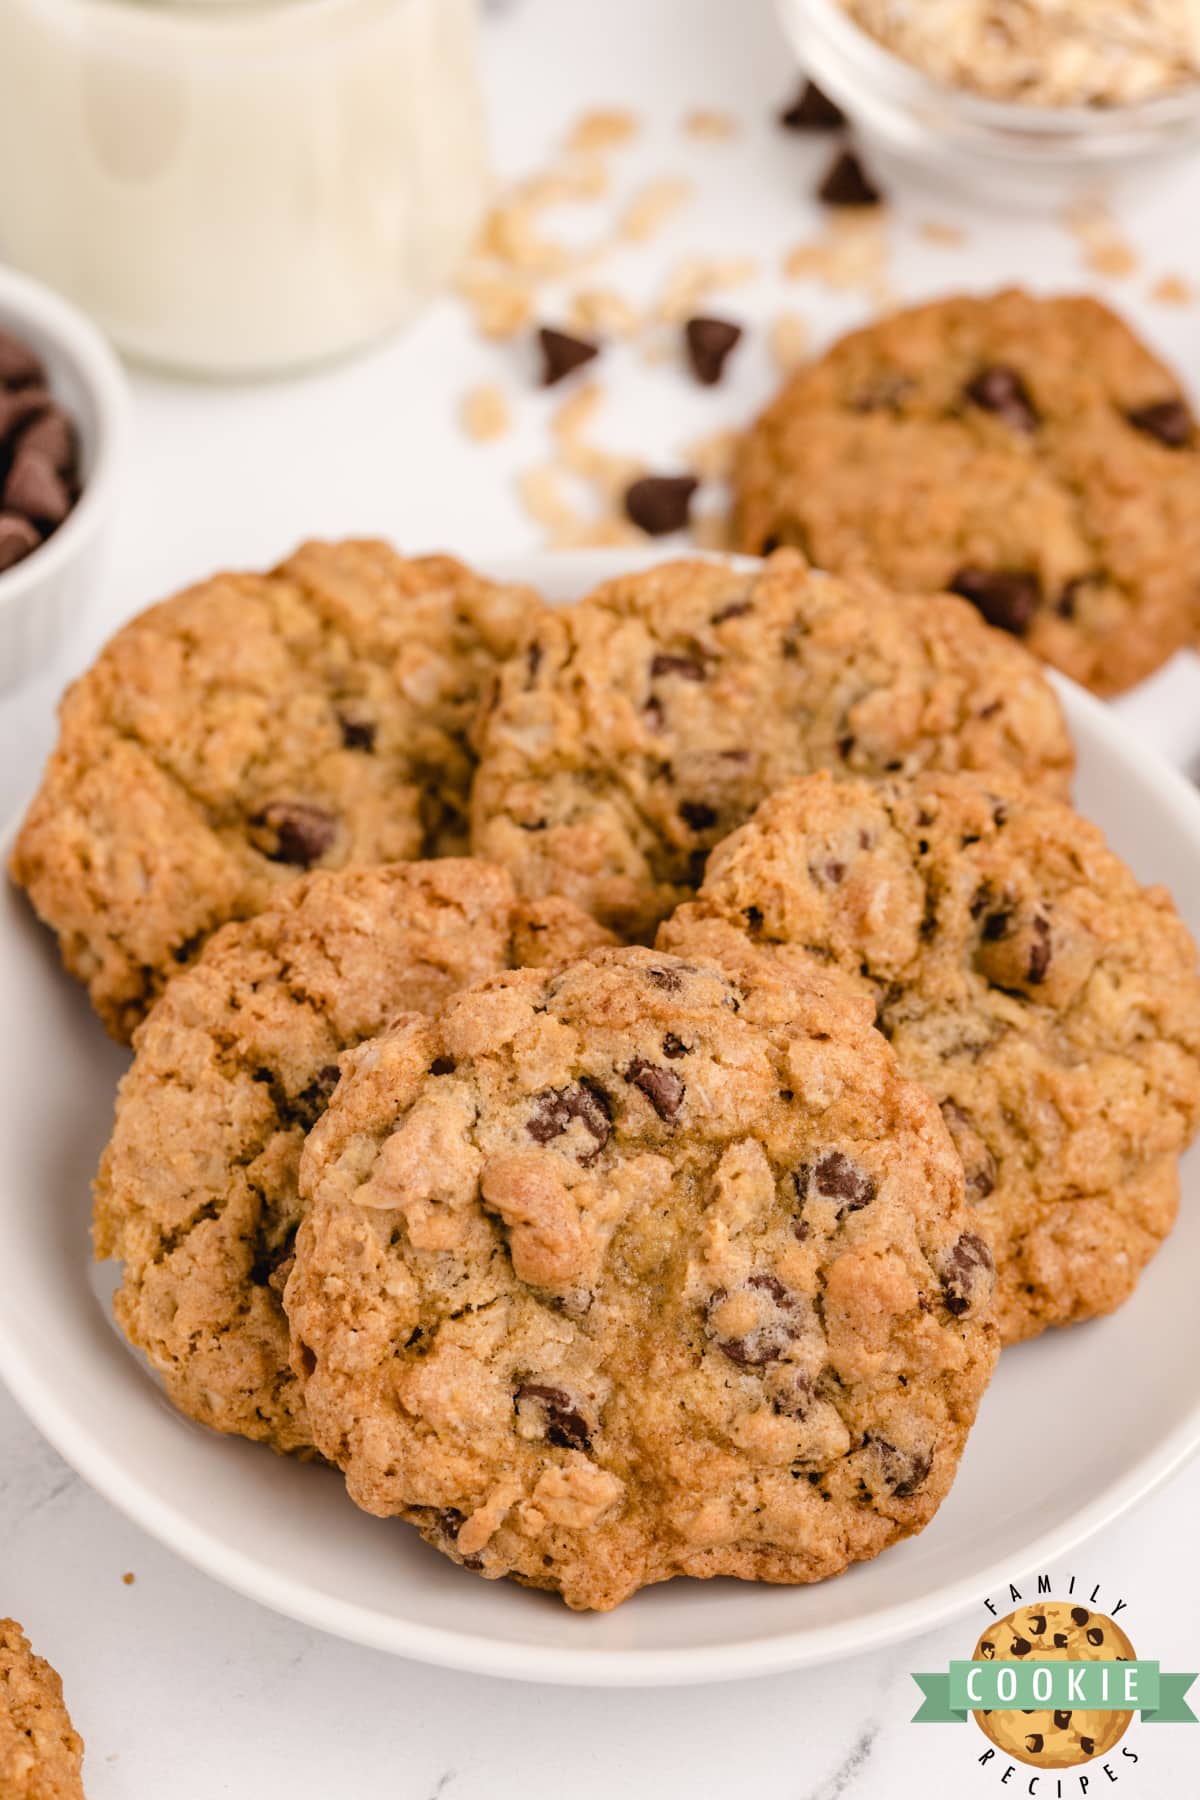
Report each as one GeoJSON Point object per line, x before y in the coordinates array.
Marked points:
{"type": "Point", "coordinates": [1059, 1631]}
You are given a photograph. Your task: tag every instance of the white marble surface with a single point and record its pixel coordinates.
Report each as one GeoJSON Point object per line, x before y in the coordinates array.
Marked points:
{"type": "Point", "coordinates": [183, 1689]}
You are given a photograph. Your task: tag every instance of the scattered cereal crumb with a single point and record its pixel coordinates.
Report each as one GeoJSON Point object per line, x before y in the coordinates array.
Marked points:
{"type": "Point", "coordinates": [603, 129]}
{"type": "Point", "coordinates": [501, 306]}
{"type": "Point", "coordinates": [1173, 290]}
{"type": "Point", "coordinates": [129, 1578]}
{"type": "Point", "coordinates": [652, 206]}
{"type": "Point", "coordinates": [576, 412]}
{"type": "Point", "coordinates": [710, 123]}
{"type": "Point", "coordinates": [936, 231]}
{"type": "Point", "coordinates": [603, 310]}
{"type": "Point", "coordinates": [712, 457]}
{"type": "Point", "coordinates": [789, 339]}
{"type": "Point", "coordinates": [693, 280]}
{"type": "Point", "coordinates": [543, 498]}
{"type": "Point", "coordinates": [1106, 251]}
{"type": "Point", "coordinates": [713, 531]}
{"type": "Point", "coordinates": [609, 472]}
{"type": "Point", "coordinates": [485, 413]}
{"type": "Point", "coordinates": [511, 235]}
{"type": "Point", "coordinates": [851, 252]}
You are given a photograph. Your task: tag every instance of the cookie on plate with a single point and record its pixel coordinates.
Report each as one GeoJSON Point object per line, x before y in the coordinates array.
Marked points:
{"type": "Point", "coordinates": [640, 1269]}
{"type": "Point", "coordinates": [41, 1753]}
{"type": "Point", "coordinates": [1049, 1003]}
{"type": "Point", "coordinates": [645, 723]}
{"type": "Point", "coordinates": [197, 1190]}
{"type": "Point", "coordinates": [1029, 453]}
{"type": "Point", "coordinates": [250, 729]}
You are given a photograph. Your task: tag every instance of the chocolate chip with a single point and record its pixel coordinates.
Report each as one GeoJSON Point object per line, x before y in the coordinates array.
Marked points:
{"type": "Point", "coordinates": [968, 1275]}
{"type": "Point", "coordinates": [1001, 390]}
{"type": "Point", "coordinates": [17, 538]}
{"type": "Point", "coordinates": [847, 183]}
{"type": "Point", "coordinates": [357, 733]}
{"type": "Point", "coordinates": [697, 816]}
{"type": "Point", "coordinates": [1060, 1640]}
{"type": "Point", "coordinates": [904, 1471]}
{"type": "Point", "coordinates": [312, 1100]}
{"type": "Point", "coordinates": [688, 668]}
{"type": "Point", "coordinates": [709, 344]}
{"type": "Point", "coordinates": [987, 1650]}
{"type": "Point", "coordinates": [1170, 421]}
{"type": "Point", "coordinates": [442, 1065]}
{"type": "Point", "coordinates": [737, 609]}
{"type": "Point", "coordinates": [556, 1107]}
{"type": "Point", "coordinates": [564, 1424]}
{"type": "Point", "coordinates": [781, 1317]}
{"type": "Point", "coordinates": [668, 979]}
{"type": "Point", "coordinates": [563, 354]}
{"type": "Point", "coordinates": [35, 488]}
{"type": "Point", "coordinates": [812, 110]}
{"type": "Point", "coordinates": [662, 1087]}
{"type": "Point", "coordinates": [995, 926]}
{"type": "Point", "coordinates": [20, 408]}
{"type": "Point", "coordinates": [674, 1047]}
{"type": "Point", "coordinates": [1087, 1745]}
{"type": "Point", "coordinates": [1080, 1614]}
{"type": "Point", "coordinates": [1039, 952]}
{"type": "Point", "coordinates": [50, 433]}
{"type": "Point", "coordinates": [835, 1177]}
{"type": "Point", "coordinates": [1037, 1624]}
{"type": "Point", "coordinates": [1021, 1646]}
{"type": "Point", "coordinates": [19, 365]}
{"type": "Point", "coordinates": [828, 874]}
{"type": "Point", "coordinates": [1035, 1743]}
{"type": "Point", "coordinates": [1007, 598]}
{"type": "Point", "coordinates": [297, 832]}
{"type": "Point", "coordinates": [1095, 1636]}
{"type": "Point", "coordinates": [1061, 1720]}
{"type": "Point", "coordinates": [659, 504]}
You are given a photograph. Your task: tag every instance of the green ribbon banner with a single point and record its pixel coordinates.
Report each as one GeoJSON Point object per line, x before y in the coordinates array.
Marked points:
{"type": "Point", "coordinates": [1141, 1687]}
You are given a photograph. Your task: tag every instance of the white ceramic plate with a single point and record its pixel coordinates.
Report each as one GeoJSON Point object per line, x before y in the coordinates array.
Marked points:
{"type": "Point", "coordinates": [1124, 1393]}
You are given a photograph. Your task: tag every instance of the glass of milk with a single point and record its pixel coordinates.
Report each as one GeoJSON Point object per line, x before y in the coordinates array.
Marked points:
{"type": "Point", "coordinates": [239, 187]}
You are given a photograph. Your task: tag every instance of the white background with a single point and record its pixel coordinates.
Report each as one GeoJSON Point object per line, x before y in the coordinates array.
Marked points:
{"type": "Point", "coordinates": [184, 1691]}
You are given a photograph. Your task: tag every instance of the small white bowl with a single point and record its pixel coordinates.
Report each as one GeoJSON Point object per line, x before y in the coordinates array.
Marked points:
{"type": "Point", "coordinates": [1031, 158]}
{"type": "Point", "coordinates": [43, 596]}
{"type": "Point", "coordinates": [1123, 1411]}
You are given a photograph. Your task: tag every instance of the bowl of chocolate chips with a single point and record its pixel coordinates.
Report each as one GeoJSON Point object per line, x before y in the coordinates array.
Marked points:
{"type": "Point", "coordinates": [63, 410]}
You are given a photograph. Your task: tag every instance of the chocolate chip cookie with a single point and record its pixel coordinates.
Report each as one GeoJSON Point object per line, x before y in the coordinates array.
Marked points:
{"type": "Point", "coordinates": [248, 730]}
{"type": "Point", "coordinates": [41, 1753]}
{"type": "Point", "coordinates": [646, 1268]}
{"type": "Point", "coordinates": [1049, 1003]}
{"type": "Point", "coordinates": [642, 725]}
{"type": "Point", "coordinates": [197, 1191]}
{"type": "Point", "coordinates": [1058, 1631]}
{"type": "Point", "coordinates": [1030, 454]}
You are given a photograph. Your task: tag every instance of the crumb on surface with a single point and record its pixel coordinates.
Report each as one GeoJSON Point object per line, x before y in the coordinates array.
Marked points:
{"type": "Point", "coordinates": [652, 206]}
{"type": "Point", "coordinates": [129, 1578]}
{"type": "Point", "coordinates": [485, 412]}
{"type": "Point", "coordinates": [603, 128]}
{"type": "Point", "coordinates": [710, 123]}
{"type": "Point", "coordinates": [789, 339]}
{"type": "Point", "coordinates": [1173, 290]}
{"type": "Point", "coordinates": [938, 231]}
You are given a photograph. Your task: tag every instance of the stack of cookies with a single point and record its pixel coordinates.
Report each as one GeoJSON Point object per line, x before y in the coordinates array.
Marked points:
{"type": "Point", "coordinates": [607, 1079]}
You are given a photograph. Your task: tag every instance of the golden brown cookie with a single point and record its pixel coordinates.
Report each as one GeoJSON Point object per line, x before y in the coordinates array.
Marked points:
{"type": "Point", "coordinates": [41, 1753]}
{"type": "Point", "coordinates": [197, 1190]}
{"type": "Point", "coordinates": [645, 1268]}
{"type": "Point", "coordinates": [645, 723]}
{"type": "Point", "coordinates": [1029, 453]}
{"type": "Point", "coordinates": [248, 730]}
{"type": "Point", "coordinates": [1049, 1003]}
{"type": "Point", "coordinates": [1058, 1631]}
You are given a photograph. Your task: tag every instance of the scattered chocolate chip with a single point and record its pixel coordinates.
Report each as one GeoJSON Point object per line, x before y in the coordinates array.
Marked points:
{"type": "Point", "coordinates": [1087, 1745]}
{"type": "Point", "coordinates": [1007, 598]}
{"type": "Point", "coordinates": [20, 409]}
{"type": "Point", "coordinates": [1002, 391]}
{"type": "Point", "coordinates": [828, 874]}
{"type": "Point", "coordinates": [556, 1107]}
{"type": "Point", "coordinates": [795, 1398]}
{"type": "Point", "coordinates": [357, 733]}
{"type": "Point", "coordinates": [659, 504]}
{"type": "Point", "coordinates": [17, 538]}
{"type": "Point", "coordinates": [662, 1087]}
{"type": "Point", "coordinates": [19, 365]}
{"type": "Point", "coordinates": [1170, 421]}
{"type": "Point", "coordinates": [1021, 1646]}
{"type": "Point", "coordinates": [1061, 1720]}
{"type": "Point", "coordinates": [35, 488]}
{"type": "Point", "coordinates": [563, 354]}
{"type": "Point", "coordinates": [968, 1275]}
{"type": "Point", "coordinates": [674, 1047]}
{"type": "Point", "coordinates": [812, 110]}
{"type": "Point", "coordinates": [737, 609]}
{"type": "Point", "coordinates": [987, 1650]}
{"type": "Point", "coordinates": [1080, 1615]}
{"type": "Point", "coordinates": [1060, 1640]}
{"type": "Point", "coordinates": [1035, 1743]}
{"type": "Point", "coordinates": [835, 1177]}
{"type": "Point", "coordinates": [312, 1100]}
{"type": "Point", "coordinates": [1037, 1624]}
{"type": "Point", "coordinates": [668, 979]}
{"type": "Point", "coordinates": [754, 919]}
{"type": "Point", "coordinates": [697, 816]}
{"type": "Point", "coordinates": [781, 1315]}
{"type": "Point", "coordinates": [847, 183]}
{"type": "Point", "coordinates": [442, 1065]}
{"type": "Point", "coordinates": [297, 833]}
{"type": "Point", "coordinates": [709, 344]}
{"type": "Point", "coordinates": [1039, 952]}
{"type": "Point", "coordinates": [1094, 1635]}
{"type": "Point", "coordinates": [51, 434]}
{"type": "Point", "coordinates": [688, 668]}
{"type": "Point", "coordinates": [904, 1471]}
{"type": "Point", "coordinates": [995, 926]}
{"type": "Point", "coordinates": [563, 1423]}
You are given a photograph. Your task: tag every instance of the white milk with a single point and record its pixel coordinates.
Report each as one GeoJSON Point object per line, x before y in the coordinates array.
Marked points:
{"type": "Point", "coordinates": [237, 188]}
